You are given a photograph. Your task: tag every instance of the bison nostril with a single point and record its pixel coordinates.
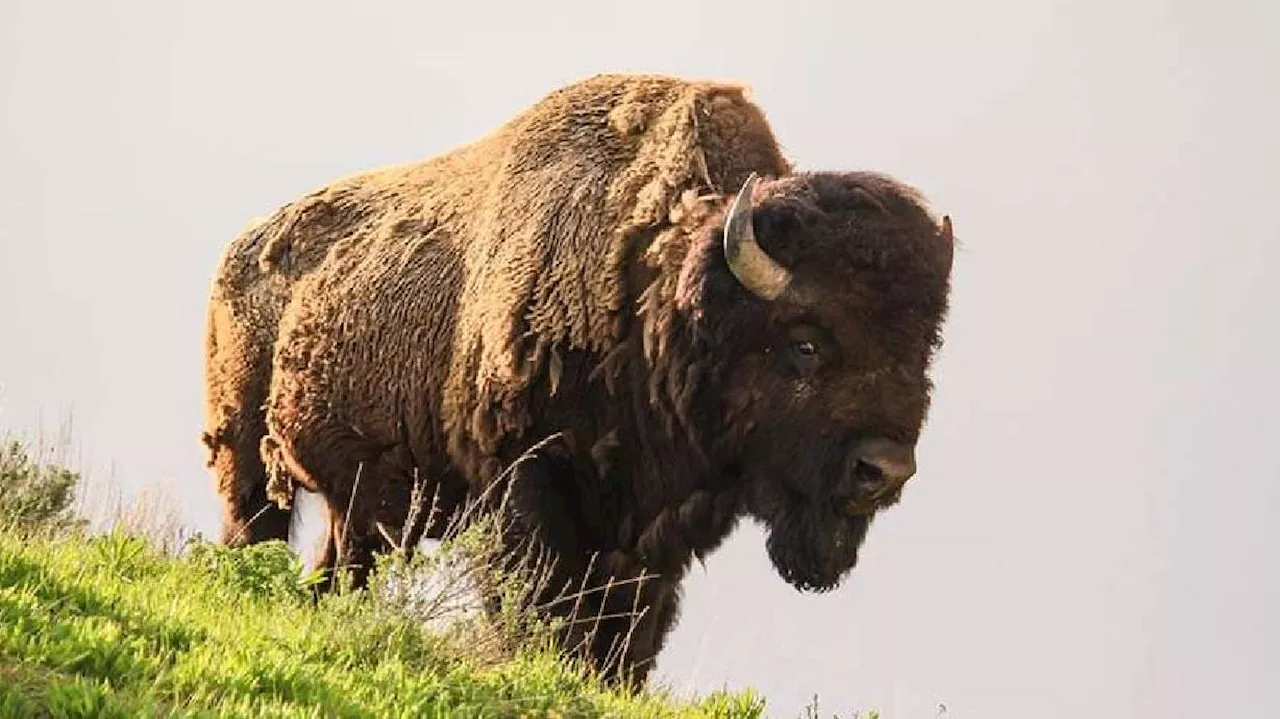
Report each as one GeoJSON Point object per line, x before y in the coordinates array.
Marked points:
{"type": "Point", "coordinates": [870, 478]}
{"type": "Point", "coordinates": [892, 473]}
{"type": "Point", "coordinates": [875, 470]}
{"type": "Point", "coordinates": [888, 462]}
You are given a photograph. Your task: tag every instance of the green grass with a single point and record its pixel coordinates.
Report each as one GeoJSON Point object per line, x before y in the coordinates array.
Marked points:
{"type": "Point", "coordinates": [110, 626]}
{"type": "Point", "coordinates": [133, 622]}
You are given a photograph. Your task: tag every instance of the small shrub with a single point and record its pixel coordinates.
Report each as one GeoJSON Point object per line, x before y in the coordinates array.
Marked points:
{"type": "Point", "coordinates": [267, 569]}
{"type": "Point", "coordinates": [35, 495]}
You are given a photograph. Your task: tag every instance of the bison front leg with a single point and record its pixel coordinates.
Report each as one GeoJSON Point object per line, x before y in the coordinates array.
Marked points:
{"type": "Point", "coordinates": [618, 617]}
{"type": "Point", "coordinates": [611, 612]}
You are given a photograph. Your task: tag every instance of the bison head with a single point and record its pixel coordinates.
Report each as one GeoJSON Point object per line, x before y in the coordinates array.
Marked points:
{"type": "Point", "coordinates": [827, 293]}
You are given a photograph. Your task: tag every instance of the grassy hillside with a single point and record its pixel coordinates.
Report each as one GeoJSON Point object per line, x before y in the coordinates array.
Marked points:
{"type": "Point", "coordinates": [120, 624]}
{"type": "Point", "coordinates": [108, 626]}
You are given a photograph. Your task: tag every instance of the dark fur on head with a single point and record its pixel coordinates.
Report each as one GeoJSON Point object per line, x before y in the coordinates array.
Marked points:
{"type": "Point", "coordinates": [871, 270]}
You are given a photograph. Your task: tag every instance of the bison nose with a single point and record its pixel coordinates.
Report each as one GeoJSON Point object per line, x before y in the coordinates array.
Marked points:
{"type": "Point", "coordinates": [894, 462]}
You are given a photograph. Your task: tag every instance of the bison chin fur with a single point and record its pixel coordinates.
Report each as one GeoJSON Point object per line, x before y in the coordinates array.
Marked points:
{"type": "Point", "coordinates": [811, 546]}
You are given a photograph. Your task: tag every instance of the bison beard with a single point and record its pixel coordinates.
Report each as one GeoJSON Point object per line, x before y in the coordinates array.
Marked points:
{"type": "Point", "coordinates": [812, 548]}
{"type": "Point", "coordinates": [813, 542]}
{"type": "Point", "coordinates": [601, 312]}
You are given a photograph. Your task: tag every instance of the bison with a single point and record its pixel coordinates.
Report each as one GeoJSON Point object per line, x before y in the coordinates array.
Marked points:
{"type": "Point", "coordinates": [626, 308]}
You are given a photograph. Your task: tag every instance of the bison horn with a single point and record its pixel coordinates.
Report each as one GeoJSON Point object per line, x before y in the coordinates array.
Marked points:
{"type": "Point", "coordinates": [756, 270]}
{"type": "Point", "coordinates": [949, 237]}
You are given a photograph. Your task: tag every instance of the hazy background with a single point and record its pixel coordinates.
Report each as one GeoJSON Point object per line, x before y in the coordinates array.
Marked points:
{"type": "Point", "coordinates": [1092, 532]}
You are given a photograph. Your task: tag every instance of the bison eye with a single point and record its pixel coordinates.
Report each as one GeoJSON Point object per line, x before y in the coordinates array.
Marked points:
{"type": "Point", "coordinates": [804, 348]}
{"type": "Point", "coordinates": [805, 356]}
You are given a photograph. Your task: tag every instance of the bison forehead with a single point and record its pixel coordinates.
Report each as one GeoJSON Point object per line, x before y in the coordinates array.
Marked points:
{"type": "Point", "coordinates": [856, 236]}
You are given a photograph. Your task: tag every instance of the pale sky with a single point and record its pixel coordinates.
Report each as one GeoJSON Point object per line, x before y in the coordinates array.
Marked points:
{"type": "Point", "coordinates": [1093, 528]}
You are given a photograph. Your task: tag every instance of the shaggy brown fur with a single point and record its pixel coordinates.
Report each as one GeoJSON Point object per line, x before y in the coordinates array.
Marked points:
{"type": "Point", "coordinates": [564, 274]}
